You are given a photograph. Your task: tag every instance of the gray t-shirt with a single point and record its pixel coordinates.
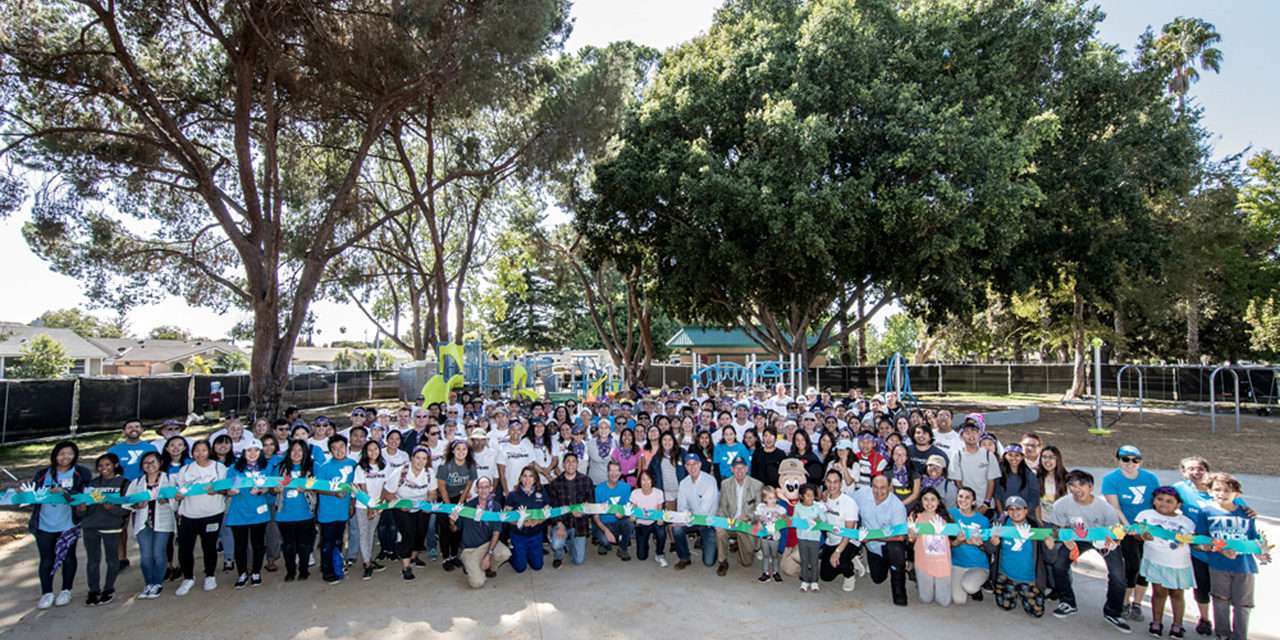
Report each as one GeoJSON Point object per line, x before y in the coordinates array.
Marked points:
{"type": "Point", "coordinates": [455, 476]}
{"type": "Point", "coordinates": [1069, 513]}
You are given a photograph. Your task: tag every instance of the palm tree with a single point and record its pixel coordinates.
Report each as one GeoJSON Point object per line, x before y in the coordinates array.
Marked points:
{"type": "Point", "coordinates": [1185, 44]}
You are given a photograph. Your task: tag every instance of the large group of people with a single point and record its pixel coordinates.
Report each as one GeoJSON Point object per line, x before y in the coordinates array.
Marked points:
{"type": "Point", "coordinates": [747, 455]}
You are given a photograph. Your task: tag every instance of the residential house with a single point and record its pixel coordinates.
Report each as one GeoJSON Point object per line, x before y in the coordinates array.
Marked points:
{"type": "Point", "coordinates": [86, 358]}
{"type": "Point", "coordinates": [140, 357]}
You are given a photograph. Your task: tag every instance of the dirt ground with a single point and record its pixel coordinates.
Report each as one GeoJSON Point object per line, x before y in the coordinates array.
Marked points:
{"type": "Point", "coordinates": [1165, 437]}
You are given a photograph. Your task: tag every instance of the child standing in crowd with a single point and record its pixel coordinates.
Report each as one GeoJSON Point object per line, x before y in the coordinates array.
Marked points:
{"type": "Point", "coordinates": [1166, 564]}
{"type": "Point", "coordinates": [810, 538]}
{"type": "Point", "coordinates": [1231, 573]}
{"type": "Point", "coordinates": [766, 513]}
{"type": "Point", "coordinates": [102, 524]}
{"type": "Point", "coordinates": [969, 563]}
{"type": "Point", "coordinates": [1020, 574]}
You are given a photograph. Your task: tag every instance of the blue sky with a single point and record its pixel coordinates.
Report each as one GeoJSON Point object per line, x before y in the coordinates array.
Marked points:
{"type": "Point", "coordinates": [1240, 106]}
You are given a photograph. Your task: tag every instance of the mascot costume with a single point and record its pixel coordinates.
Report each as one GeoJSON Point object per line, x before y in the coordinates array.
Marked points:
{"type": "Point", "coordinates": [791, 478]}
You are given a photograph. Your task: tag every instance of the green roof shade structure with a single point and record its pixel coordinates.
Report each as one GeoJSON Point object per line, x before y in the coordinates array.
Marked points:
{"type": "Point", "coordinates": [701, 338]}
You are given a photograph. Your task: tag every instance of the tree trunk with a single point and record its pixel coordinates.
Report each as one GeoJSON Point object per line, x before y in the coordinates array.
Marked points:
{"type": "Point", "coordinates": [1078, 373]}
{"type": "Point", "coordinates": [862, 332]}
{"type": "Point", "coordinates": [1120, 350]}
{"type": "Point", "coordinates": [1193, 327]}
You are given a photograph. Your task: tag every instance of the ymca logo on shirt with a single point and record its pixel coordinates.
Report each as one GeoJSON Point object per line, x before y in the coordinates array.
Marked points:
{"type": "Point", "coordinates": [135, 455]}
{"type": "Point", "coordinates": [1137, 494]}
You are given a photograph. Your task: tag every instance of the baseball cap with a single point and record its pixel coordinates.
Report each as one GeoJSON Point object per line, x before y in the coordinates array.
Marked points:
{"type": "Point", "coordinates": [844, 443]}
{"type": "Point", "coordinates": [322, 420]}
{"type": "Point", "coordinates": [937, 461]}
{"type": "Point", "coordinates": [358, 411]}
{"type": "Point", "coordinates": [737, 461]}
{"type": "Point", "coordinates": [480, 434]}
{"type": "Point", "coordinates": [253, 443]}
{"type": "Point", "coordinates": [692, 456]}
{"type": "Point", "coordinates": [1128, 450]}
{"type": "Point", "coordinates": [1013, 448]}
{"type": "Point", "coordinates": [1015, 502]}
{"type": "Point", "coordinates": [970, 424]}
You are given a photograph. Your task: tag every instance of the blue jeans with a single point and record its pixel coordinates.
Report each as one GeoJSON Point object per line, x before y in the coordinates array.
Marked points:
{"type": "Point", "coordinates": [681, 535]}
{"type": "Point", "coordinates": [387, 531]}
{"type": "Point", "coordinates": [526, 551]}
{"type": "Point", "coordinates": [228, 541]}
{"type": "Point", "coordinates": [659, 532]}
{"type": "Point", "coordinates": [151, 548]}
{"type": "Point", "coordinates": [353, 536]}
{"type": "Point", "coordinates": [622, 532]}
{"type": "Point", "coordinates": [577, 545]}
{"type": "Point", "coordinates": [330, 545]}
{"type": "Point", "coordinates": [432, 539]}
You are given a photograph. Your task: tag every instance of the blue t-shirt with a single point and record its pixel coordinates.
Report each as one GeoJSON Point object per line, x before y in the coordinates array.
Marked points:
{"type": "Point", "coordinates": [56, 518]}
{"type": "Point", "coordinates": [294, 506]}
{"type": "Point", "coordinates": [244, 507]}
{"type": "Point", "coordinates": [131, 457]}
{"type": "Point", "coordinates": [1017, 559]}
{"type": "Point", "coordinates": [1133, 495]}
{"type": "Point", "coordinates": [1193, 501]}
{"type": "Point", "coordinates": [620, 494]}
{"type": "Point", "coordinates": [725, 454]}
{"type": "Point", "coordinates": [1228, 525]}
{"type": "Point", "coordinates": [330, 508]}
{"type": "Point", "coordinates": [878, 516]}
{"type": "Point", "coordinates": [966, 555]}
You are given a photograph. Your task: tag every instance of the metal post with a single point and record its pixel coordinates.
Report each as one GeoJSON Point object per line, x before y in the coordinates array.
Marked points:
{"type": "Point", "coordinates": [876, 387]}
{"type": "Point", "coordinates": [75, 405]}
{"type": "Point", "coordinates": [4, 426]}
{"type": "Point", "coordinates": [939, 379]}
{"type": "Point", "coordinates": [336, 376]}
{"type": "Point", "coordinates": [1213, 413]}
{"type": "Point", "coordinates": [1119, 389]}
{"type": "Point", "coordinates": [1009, 379]}
{"type": "Point", "coordinates": [371, 383]}
{"type": "Point", "coordinates": [693, 374]}
{"type": "Point", "coordinates": [137, 409]}
{"type": "Point", "coordinates": [1097, 384]}
{"type": "Point", "coordinates": [191, 395]}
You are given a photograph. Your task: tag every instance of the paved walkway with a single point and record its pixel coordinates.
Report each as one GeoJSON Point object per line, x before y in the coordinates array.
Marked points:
{"type": "Point", "coordinates": [605, 598]}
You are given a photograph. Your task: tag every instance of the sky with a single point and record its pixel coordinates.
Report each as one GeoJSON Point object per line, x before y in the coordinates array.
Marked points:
{"type": "Point", "coordinates": [1239, 108]}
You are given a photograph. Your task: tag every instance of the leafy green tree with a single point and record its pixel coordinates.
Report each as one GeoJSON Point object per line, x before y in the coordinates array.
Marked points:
{"type": "Point", "coordinates": [1183, 45]}
{"type": "Point", "coordinates": [84, 324]}
{"type": "Point", "coordinates": [242, 133]}
{"type": "Point", "coordinates": [41, 357]}
{"type": "Point", "coordinates": [232, 361]}
{"type": "Point", "coordinates": [801, 155]}
{"type": "Point", "coordinates": [169, 332]}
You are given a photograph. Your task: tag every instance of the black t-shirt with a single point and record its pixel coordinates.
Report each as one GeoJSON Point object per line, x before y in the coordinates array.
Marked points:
{"type": "Point", "coordinates": [764, 465]}
{"type": "Point", "coordinates": [919, 457]}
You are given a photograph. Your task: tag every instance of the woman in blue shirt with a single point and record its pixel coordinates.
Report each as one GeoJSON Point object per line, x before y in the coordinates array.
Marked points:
{"type": "Point", "coordinates": [728, 450]}
{"type": "Point", "coordinates": [248, 513]}
{"type": "Point", "coordinates": [969, 564]}
{"type": "Point", "coordinates": [55, 525]}
{"type": "Point", "coordinates": [527, 535]}
{"type": "Point", "coordinates": [295, 511]}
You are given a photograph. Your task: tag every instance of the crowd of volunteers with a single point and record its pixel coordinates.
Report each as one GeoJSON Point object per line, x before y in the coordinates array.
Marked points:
{"type": "Point", "coordinates": [748, 455]}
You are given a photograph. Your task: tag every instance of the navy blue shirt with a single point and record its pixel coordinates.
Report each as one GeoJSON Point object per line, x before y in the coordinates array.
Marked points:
{"type": "Point", "coordinates": [476, 533]}
{"type": "Point", "coordinates": [536, 500]}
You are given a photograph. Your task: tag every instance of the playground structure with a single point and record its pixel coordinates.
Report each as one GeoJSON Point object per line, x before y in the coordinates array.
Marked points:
{"type": "Point", "coordinates": [897, 380]}
{"type": "Point", "coordinates": [754, 372]}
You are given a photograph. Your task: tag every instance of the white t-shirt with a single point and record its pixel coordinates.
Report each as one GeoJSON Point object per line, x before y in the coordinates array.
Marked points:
{"type": "Point", "coordinates": [840, 510]}
{"type": "Point", "coordinates": [373, 480]}
{"type": "Point", "coordinates": [949, 442]}
{"type": "Point", "coordinates": [201, 506]}
{"type": "Point", "coordinates": [407, 485]}
{"type": "Point", "coordinates": [486, 463]}
{"type": "Point", "coordinates": [1167, 553]}
{"type": "Point", "coordinates": [395, 460]}
{"type": "Point", "coordinates": [237, 446]}
{"type": "Point", "coordinates": [974, 470]}
{"type": "Point", "coordinates": [514, 458]}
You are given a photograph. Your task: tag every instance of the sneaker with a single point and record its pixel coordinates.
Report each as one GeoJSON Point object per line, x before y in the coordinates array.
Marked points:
{"type": "Point", "coordinates": [228, 566]}
{"type": "Point", "coordinates": [777, 577]}
{"type": "Point", "coordinates": [333, 580]}
{"type": "Point", "coordinates": [210, 583]}
{"type": "Point", "coordinates": [759, 555]}
{"type": "Point", "coordinates": [255, 580]}
{"type": "Point", "coordinates": [1204, 628]}
{"type": "Point", "coordinates": [764, 577]}
{"type": "Point", "coordinates": [1118, 623]}
{"type": "Point", "coordinates": [623, 555]}
{"type": "Point", "coordinates": [1135, 612]}
{"type": "Point", "coordinates": [602, 550]}
{"type": "Point", "coordinates": [46, 601]}
{"type": "Point", "coordinates": [242, 581]}
{"type": "Point", "coordinates": [1155, 630]}
{"type": "Point", "coordinates": [351, 562]}
{"type": "Point", "coordinates": [147, 593]}
{"type": "Point", "coordinates": [106, 597]}
{"type": "Point", "coordinates": [434, 554]}
{"type": "Point", "coordinates": [722, 569]}
{"type": "Point", "coordinates": [368, 573]}
{"type": "Point", "coordinates": [804, 586]}
{"type": "Point", "coordinates": [155, 590]}
{"type": "Point", "coordinates": [304, 574]}
{"type": "Point", "coordinates": [682, 565]}
{"type": "Point", "coordinates": [271, 567]}
{"type": "Point", "coordinates": [63, 599]}
{"type": "Point", "coordinates": [407, 574]}
{"type": "Point", "coordinates": [417, 562]}
{"type": "Point", "coordinates": [813, 586]}
{"type": "Point", "coordinates": [859, 566]}
{"type": "Point", "coordinates": [1176, 631]}
{"type": "Point", "coordinates": [184, 588]}
{"type": "Point", "coordinates": [449, 564]}
{"type": "Point", "coordinates": [1063, 610]}
{"type": "Point", "coordinates": [379, 567]}
{"type": "Point", "coordinates": [92, 600]}
{"type": "Point", "coordinates": [978, 597]}
{"type": "Point", "coordinates": [555, 564]}
{"type": "Point", "coordinates": [661, 560]}
{"type": "Point", "coordinates": [849, 583]}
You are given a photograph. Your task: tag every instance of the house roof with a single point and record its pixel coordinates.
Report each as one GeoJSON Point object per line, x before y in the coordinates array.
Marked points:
{"type": "Point", "coordinates": [704, 337]}
{"type": "Point", "coordinates": [135, 350]}
{"type": "Point", "coordinates": [14, 335]}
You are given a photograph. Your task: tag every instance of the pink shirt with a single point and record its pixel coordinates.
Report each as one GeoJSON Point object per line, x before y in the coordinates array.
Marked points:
{"type": "Point", "coordinates": [651, 501]}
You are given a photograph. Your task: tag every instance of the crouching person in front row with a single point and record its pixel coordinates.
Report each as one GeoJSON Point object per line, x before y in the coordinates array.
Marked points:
{"type": "Point", "coordinates": [1020, 573]}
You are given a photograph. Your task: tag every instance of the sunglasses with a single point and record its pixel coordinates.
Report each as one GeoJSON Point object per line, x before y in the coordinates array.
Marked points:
{"type": "Point", "coordinates": [433, 433]}
{"type": "Point", "coordinates": [1130, 459]}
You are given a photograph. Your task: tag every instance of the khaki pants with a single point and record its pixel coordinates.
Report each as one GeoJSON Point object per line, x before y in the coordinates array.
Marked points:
{"type": "Point", "coordinates": [471, 562]}
{"type": "Point", "coordinates": [746, 546]}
